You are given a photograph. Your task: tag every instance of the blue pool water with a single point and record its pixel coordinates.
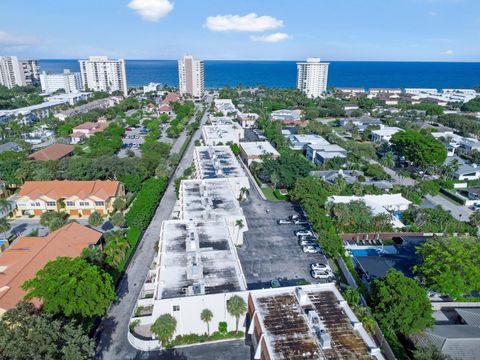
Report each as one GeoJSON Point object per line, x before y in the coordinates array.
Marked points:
{"type": "Point", "coordinates": [365, 252]}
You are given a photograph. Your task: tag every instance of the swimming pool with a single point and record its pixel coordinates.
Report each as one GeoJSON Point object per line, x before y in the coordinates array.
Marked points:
{"type": "Point", "coordinates": [365, 252]}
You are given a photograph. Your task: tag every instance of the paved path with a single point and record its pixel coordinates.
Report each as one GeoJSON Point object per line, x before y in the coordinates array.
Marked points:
{"type": "Point", "coordinates": [459, 212]}
{"type": "Point", "coordinates": [111, 334]}
{"type": "Point", "coordinates": [397, 179]}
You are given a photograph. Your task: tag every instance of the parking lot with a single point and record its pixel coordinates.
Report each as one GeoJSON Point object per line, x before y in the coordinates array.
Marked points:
{"type": "Point", "coordinates": [132, 140]}
{"type": "Point", "coordinates": [271, 251]}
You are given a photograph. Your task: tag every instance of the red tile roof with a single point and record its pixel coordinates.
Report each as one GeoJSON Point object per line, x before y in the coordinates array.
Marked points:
{"type": "Point", "coordinates": [52, 152]}
{"type": "Point", "coordinates": [30, 254]}
{"type": "Point", "coordinates": [57, 189]}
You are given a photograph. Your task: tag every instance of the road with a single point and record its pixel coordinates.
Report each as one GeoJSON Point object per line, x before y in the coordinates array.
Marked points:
{"type": "Point", "coordinates": [397, 179]}
{"type": "Point", "coordinates": [111, 334]}
{"type": "Point", "coordinates": [459, 212]}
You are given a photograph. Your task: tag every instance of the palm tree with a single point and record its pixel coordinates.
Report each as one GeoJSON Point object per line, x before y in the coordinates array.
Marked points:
{"type": "Point", "coordinates": [164, 328]}
{"type": "Point", "coordinates": [388, 160]}
{"type": "Point", "coordinates": [236, 306]}
{"type": "Point", "coordinates": [206, 316]}
{"type": "Point", "coordinates": [4, 226]}
{"type": "Point", "coordinates": [240, 225]}
{"type": "Point", "coordinates": [274, 178]}
{"type": "Point", "coordinates": [243, 193]}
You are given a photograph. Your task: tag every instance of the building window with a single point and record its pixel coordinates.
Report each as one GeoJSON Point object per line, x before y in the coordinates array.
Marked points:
{"type": "Point", "coordinates": [84, 203]}
{"type": "Point", "coordinates": [37, 204]}
{"type": "Point", "coordinates": [176, 307]}
{"type": "Point", "coordinates": [32, 204]}
{"type": "Point", "coordinates": [99, 203]}
{"type": "Point", "coordinates": [70, 203]}
{"type": "Point", "coordinates": [51, 203]}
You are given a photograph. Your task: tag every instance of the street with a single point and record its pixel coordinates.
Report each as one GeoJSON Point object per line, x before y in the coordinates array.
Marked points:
{"type": "Point", "coordinates": [111, 334]}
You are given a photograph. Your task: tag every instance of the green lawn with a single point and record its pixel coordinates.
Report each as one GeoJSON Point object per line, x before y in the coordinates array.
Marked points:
{"type": "Point", "coordinates": [270, 195]}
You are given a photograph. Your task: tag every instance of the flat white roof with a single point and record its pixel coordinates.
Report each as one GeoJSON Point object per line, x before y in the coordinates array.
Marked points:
{"type": "Point", "coordinates": [386, 131]}
{"type": "Point", "coordinates": [217, 162]}
{"type": "Point", "coordinates": [197, 258]}
{"type": "Point", "coordinates": [258, 148]}
{"type": "Point", "coordinates": [208, 200]}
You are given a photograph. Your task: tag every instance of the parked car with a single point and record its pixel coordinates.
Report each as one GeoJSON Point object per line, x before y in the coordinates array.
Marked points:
{"type": "Point", "coordinates": [307, 237]}
{"type": "Point", "coordinates": [311, 249]}
{"type": "Point", "coordinates": [283, 222]}
{"type": "Point", "coordinates": [307, 243]}
{"type": "Point", "coordinates": [301, 222]}
{"type": "Point", "coordinates": [275, 283]}
{"type": "Point", "coordinates": [320, 267]}
{"type": "Point", "coordinates": [316, 274]}
{"type": "Point", "coordinates": [303, 233]}
{"type": "Point", "coordinates": [294, 217]}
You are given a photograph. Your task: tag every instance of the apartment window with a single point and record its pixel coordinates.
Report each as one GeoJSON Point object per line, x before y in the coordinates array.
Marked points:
{"type": "Point", "coordinates": [70, 203]}
{"type": "Point", "coordinates": [84, 203]}
{"type": "Point", "coordinates": [99, 203]}
{"type": "Point", "coordinates": [37, 204]}
{"type": "Point", "coordinates": [51, 203]}
{"type": "Point", "coordinates": [176, 307]}
{"type": "Point", "coordinates": [32, 204]}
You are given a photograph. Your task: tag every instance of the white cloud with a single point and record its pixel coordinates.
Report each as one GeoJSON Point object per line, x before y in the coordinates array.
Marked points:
{"type": "Point", "coordinates": [271, 38]}
{"type": "Point", "coordinates": [11, 39]}
{"type": "Point", "coordinates": [247, 23]}
{"type": "Point", "coordinates": [449, 53]}
{"type": "Point", "coordinates": [151, 10]}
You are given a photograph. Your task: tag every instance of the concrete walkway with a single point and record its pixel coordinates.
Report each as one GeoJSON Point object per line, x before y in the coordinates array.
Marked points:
{"type": "Point", "coordinates": [111, 334]}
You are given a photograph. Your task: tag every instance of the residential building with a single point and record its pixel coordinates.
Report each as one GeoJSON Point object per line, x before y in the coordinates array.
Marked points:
{"type": "Point", "coordinates": [213, 135]}
{"type": "Point", "coordinates": [361, 123]}
{"type": "Point", "coordinates": [469, 144]}
{"type": "Point", "coordinates": [312, 77]}
{"type": "Point", "coordinates": [217, 162]}
{"type": "Point", "coordinates": [374, 92]}
{"type": "Point", "coordinates": [351, 177]}
{"type": "Point", "coordinates": [255, 151]}
{"type": "Point", "coordinates": [28, 114]}
{"type": "Point", "coordinates": [247, 120]}
{"type": "Point", "coordinates": [212, 200]}
{"type": "Point", "coordinates": [456, 332]}
{"type": "Point", "coordinates": [288, 117]}
{"type": "Point", "coordinates": [350, 92]}
{"type": "Point", "coordinates": [151, 87]}
{"type": "Point", "coordinates": [88, 129]}
{"type": "Point", "coordinates": [30, 71]}
{"type": "Point", "coordinates": [11, 72]}
{"type": "Point", "coordinates": [77, 198]}
{"type": "Point", "coordinates": [14, 72]}
{"type": "Point", "coordinates": [99, 73]}
{"type": "Point", "coordinates": [70, 98]}
{"type": "Point", "coordinates": [52, 152]}
{"type": "Point", "coordinates": [10, 146]}
{"type": "Point", "coordinates": [221, 120]}
{"type": "Point", "coordinates": [225, 106]}
{"type": "Point", "coordinates": [101, 103]}
{"type": "Point", "coordinates": [191, 77]}
{"type": "Point", "coordinates": [308, 322]}
{"type": "Point", "coordinates": [300, 141]}
{"type": "Point", "coordinates": [378, 204]}
{"type": "Point", "coordinates": [28, 255]}
{"type": "Point", "coordinates": [67, 81]}
{"type": "Point", "coordinates": [471, 195]}
{"type": "Point", "coordinates": [320, 153]}
{"type": "Point", "coordinates": [384, 134]}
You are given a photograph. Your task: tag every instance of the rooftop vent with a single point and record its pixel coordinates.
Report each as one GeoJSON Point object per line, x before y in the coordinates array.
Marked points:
{"type": "Point", "coordinates": [319, 329]}
{"type": "Point", "coordinates": [302, 296]}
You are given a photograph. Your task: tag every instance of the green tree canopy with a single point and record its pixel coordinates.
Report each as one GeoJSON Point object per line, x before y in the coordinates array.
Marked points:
{"type": "Point", "coordinates": [28, 333]}
{"type": "Point", "coordinates": [451, 265]}
{"type": "Point", "coordinates": [422, 150]}
{"type": "Point", "coordinates": [401, 304]}
{"type": "Point", "coordinates": [53, 220]}
{"type": "Point", "coordinates": [206, 316]}
{"type": "Point", "coordinates": [164, 328]}
{"type": "Point", "coordinates": [72, 287]}
{"type": "Point", "coordinates": [95, 219]}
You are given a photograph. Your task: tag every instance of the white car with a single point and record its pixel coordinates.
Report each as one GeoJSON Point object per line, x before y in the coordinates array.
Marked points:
{"type": "Point", "coordinates": [322, 275]}
{"type": "Point", "coordinates": [303, 233]}
{"type": "Point", "coordinates": [320, 267]}
{"type": "Point", "coordinates": [283, 222]}
{"type": "Point", "coordinates": [311, 249]}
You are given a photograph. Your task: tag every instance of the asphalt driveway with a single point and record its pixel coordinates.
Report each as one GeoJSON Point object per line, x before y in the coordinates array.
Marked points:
{"type": "Point", "coordinates": [271, 251]}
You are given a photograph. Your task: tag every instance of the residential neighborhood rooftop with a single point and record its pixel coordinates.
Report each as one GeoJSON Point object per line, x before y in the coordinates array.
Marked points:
{"type": "Point", "coordinates": [56, 189]}
{"type": "Point", "coordinates": [217, 162]}
{"type": "Point", "coordinates": [197, 258]}
{"type": "Point", "coordinates": [52, 152]}
{"type": "Point", "coordinates": [27, 255]}
{"type": "Point", "coordinates": [258, 148]}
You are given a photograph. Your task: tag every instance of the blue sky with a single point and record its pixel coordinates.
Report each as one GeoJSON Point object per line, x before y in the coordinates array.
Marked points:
{"type": "Point", "coordinates": [404, 30]}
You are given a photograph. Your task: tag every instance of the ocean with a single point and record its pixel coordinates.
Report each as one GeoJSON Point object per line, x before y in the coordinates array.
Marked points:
{"type": "Point", "coordinates": [282, 74]}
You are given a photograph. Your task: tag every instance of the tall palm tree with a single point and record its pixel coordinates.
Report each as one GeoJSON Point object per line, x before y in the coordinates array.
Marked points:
{"type": "Point", "coordinates": [236, 307]}
{"type": "Point", "coordinates": [206, 316]}
{"type": "Point", "coordinates": [4, 226]}
{"type": "Point", "coordinates": [243, 193]}
{"type": "Point", "coordinates": [388, 160]}
{"type": "Point", "coordinates": [239, 223]}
